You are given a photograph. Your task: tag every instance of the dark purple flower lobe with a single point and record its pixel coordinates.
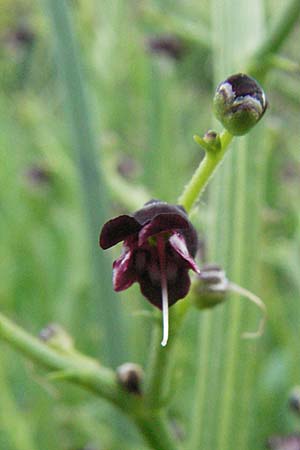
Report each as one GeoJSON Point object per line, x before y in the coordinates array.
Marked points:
{"type": "Point", "coordinates": [179, 245]}
{"type": "Point", "coordinates": [124, 273]}
{"type": "Point", "coordinates": [164, 222]}
{"type": "Point", "coordinates": [118, 229]}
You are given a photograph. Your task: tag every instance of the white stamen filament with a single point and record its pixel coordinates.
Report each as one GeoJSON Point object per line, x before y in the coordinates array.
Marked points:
{"type": "Point", "coordinates": [164, 289]}
{"type": "Point", "coordinates": [258, 302]}
{"type": "Point", "coordinates": [165, 309]}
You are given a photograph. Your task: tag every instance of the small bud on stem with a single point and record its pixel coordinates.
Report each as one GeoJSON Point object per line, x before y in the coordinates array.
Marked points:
{"type": "Point", "coordinates": [130, 377]}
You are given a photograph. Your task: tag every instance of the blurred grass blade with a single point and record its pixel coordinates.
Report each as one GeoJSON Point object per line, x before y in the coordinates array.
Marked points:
{"type": "Point", "coordinates": [13, 423]}
{"type": "Point", "coordinates": [223, 412]}
{"type": "Point", "coordinates": [106, 309]}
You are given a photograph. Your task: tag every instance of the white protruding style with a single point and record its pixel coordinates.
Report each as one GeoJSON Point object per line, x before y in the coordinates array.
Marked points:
{"type": "Point", "coordinates": [165, 309]}
{"type": "Point", "coordinates": [164, 288]}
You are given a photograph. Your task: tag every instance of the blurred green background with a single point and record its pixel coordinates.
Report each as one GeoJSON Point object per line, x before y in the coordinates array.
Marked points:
{"type": "Point", "coordinates": [147, 71]}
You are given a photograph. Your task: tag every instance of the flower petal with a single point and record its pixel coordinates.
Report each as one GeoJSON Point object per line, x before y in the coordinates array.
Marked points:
{"type": "Point", "coordinates": [178, 243]}
{"type": "Point", "coordinates": [180, 287]}
{"type": "Point", "coordinates": [155, 207]}
{"type": "Point", "coordinates": [151, 291]}
{"type": "Point", "coordinates": [123, 271]}
{"type": "Point", "coordinates": [177, 289]}
{"type": "Point", "coordinates": [117, 229]}
{"type": "Point", "coordinates": [162, 222]}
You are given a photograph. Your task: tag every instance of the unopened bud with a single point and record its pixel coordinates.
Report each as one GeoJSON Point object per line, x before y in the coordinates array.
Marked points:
{"type": "Point", "coordinates": [130, 376]}
{"type": "Point", "coordinates": [239, 103]}
{"type": "Point", "coordinates": [210, 288]}
{"type": "Point", "coordinates": [212, 139]}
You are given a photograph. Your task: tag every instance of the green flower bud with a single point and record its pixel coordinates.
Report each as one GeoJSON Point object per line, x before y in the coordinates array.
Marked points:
{"type": "Point", "coordinates": [239, 103]}
{"type": "Point", "coordinates": [210, 288]}
{"type": "Point", "coordinates": [212, 139]}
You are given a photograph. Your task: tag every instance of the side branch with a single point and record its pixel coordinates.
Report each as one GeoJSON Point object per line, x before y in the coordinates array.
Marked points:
{"type": "Point", "coordinates": [71, 367]}
{"type": "Point", "coordinates": [88, 373]}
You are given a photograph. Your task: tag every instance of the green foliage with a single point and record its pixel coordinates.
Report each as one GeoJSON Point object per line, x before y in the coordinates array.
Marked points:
{"type": "Point", "coordinates": [145, 107]}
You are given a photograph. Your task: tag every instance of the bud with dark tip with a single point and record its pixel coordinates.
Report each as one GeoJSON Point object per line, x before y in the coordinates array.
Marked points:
{"type": "Point", "coordinates": [210, 288]}
{"type": "Point", "coordinates": [130, 376]}
{"type": "Point", "coordinates": [239, 103]}
{"type": "Point", "coordinates": [212, 139]}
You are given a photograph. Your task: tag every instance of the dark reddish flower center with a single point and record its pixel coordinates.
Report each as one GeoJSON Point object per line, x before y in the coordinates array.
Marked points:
{"type": "Point", "coordinates": [158, 250]}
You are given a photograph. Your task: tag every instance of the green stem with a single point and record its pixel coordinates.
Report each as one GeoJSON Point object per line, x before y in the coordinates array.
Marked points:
{"type": "Point", "coordinates": [204, 172]}
{"type": "Point", "coordinates": [156, 431]}
{"type": "Point", "coordinates": [100, 379]}
{"type": "Point", "coordinates": [199, 413]}
{"type": "Point", "coordinates": [159, 374]}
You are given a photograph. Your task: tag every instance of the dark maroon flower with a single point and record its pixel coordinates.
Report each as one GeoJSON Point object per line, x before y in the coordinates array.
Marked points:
{"type": "Point", "coordinates": [158, 250]}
